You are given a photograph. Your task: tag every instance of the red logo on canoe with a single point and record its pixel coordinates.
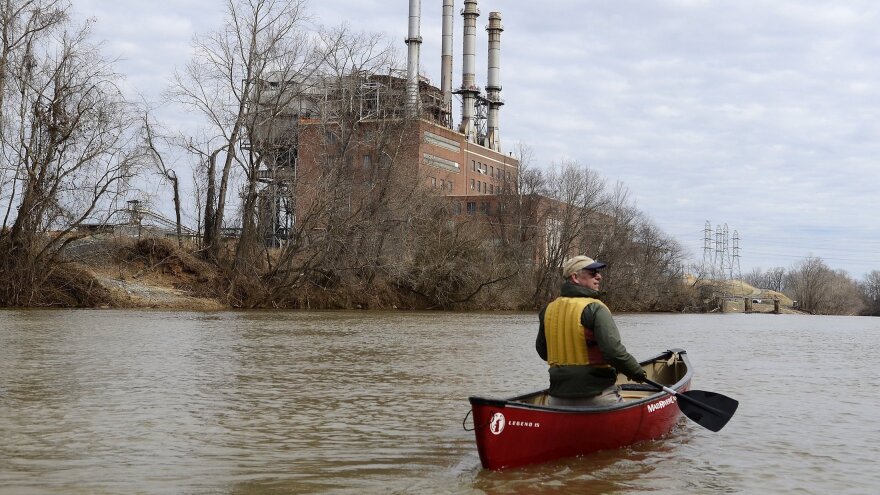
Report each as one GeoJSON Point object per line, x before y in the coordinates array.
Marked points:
{"type": "Point", "coordinates": [496, 425]}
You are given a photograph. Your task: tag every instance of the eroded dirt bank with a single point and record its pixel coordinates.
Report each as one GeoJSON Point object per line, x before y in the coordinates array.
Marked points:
{"type": "Point", "coordinates": [146, 273]}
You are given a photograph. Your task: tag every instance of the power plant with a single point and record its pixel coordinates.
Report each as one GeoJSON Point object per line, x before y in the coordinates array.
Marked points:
{"type": "Point", "coordinates": [463, 161]}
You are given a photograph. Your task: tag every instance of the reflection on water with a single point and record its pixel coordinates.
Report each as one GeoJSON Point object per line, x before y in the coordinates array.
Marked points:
{"type": "Point", "coordinates": [369, 402]}
{"type": "Point", "coordinates": [620, 471]}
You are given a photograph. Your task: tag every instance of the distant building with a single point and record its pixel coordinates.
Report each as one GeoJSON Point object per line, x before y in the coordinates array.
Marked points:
{"type": "Point", "coordinates": [312, 130]}
{"type": "Point", "coordinates": [302, 122]}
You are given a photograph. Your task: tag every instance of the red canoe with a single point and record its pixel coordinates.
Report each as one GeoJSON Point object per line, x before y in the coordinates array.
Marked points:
{"type": "Point", "coordinates": [522, 430]}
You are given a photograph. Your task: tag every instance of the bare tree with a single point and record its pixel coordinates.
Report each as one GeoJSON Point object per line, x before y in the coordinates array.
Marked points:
{"type": "Point", "coordinates": [808, 282]}
{"type": "Point", "coordinates": [198, 183]}
{"type": "Point", "coordinates": [23, 23]}
{"type": "Point", "coordinates": [448, 260]}
{"type": "Point", "coordinates": [315, 121]}
{"type": "Point", "coordinates": [568, 210]}
{"type": "Point", "coordinates": [645, 269]}
{"type": "Point", "coordinates": [71, 137]}
{"type": "Point", "coordinates": [870, 288]}
{"type": "Point", "coordinates": [572, 195]}
{"type": "Point", "coordinates": [166, 172]}
{"type": "Point", "coordinates": [518, 211]}
{"type": "Point", "coordinates": [356, 175]}
{"type": "Point", "coordinates": [226, 75]}
{"type": "Point", "coordinates": [775, 279]}
{"type": "Point", "coordinates": [844, 297]}
{"type": "Point", "coordinates": [756, 278]}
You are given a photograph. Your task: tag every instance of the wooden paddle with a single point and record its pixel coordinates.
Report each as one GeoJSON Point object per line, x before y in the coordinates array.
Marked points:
{"type": "Point", "coordinates": [708, 409]}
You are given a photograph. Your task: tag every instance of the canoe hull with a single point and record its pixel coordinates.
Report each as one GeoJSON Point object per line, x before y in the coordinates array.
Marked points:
{"type": "Point", "coordinates": [514, 432]}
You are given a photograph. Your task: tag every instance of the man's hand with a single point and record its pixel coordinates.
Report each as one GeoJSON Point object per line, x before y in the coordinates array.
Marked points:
{"type": "Point", "coordinates": [640, 378]}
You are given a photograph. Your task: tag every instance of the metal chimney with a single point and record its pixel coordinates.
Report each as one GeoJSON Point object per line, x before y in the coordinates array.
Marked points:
{"type": "Point", "coordinates": [446, 60]}
{"type": "Point", "coordinates": [413, 42]}
{"type": "Point", "coordinates": [493, 86]}
{"type": "Point", "coordinates": [469, 90]}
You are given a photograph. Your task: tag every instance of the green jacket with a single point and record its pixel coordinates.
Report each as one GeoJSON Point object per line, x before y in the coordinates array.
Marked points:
{"type": "Point", "coordinates": [587, 381]}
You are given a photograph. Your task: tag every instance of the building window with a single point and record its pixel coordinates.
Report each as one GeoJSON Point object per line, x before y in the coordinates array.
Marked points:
{"type": "Point", "coordinates": [442, 142]}
{"type": "Point", "coordinates": [436, 161]}
{"type": "Point", "coordinates": [472, 184]}
{"type": "Point", "coordinates": [456, 208]}
{"type": "Point", "coordinates": [484, 208]}
{"type": "Point", "coordinates": [433, 182]}
{"type": "Point", "coordinates": [367, 162]}
{"type": "Point", "coordinates": [471, 207]}
{"type": "Point", "coordinates": [491, 189]}
{"type": "Point", "coordinates": [478, 186]}
{"type": "Point", "coordinates": [474, 165]}
{"type": "Point", "coordinates": [491, 171]}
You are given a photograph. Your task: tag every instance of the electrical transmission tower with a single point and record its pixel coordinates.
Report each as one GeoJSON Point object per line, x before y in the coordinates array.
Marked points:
{"type": "Point", "coordinates": [718, 267]}
{"type": "Point", "coordinates": [735, 264]}
{"type": "Point", "coordinates": [708, 261]}
{"type": "Point", "coordinates": [721, 262]}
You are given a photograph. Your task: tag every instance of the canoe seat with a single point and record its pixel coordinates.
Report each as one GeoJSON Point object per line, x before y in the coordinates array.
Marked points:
{"type": "Point", "coordinates": [637, 387]}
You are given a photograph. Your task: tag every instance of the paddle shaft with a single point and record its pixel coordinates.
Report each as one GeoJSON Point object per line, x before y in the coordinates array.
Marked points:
{"type": "Point", "coordinates": [691, 400]}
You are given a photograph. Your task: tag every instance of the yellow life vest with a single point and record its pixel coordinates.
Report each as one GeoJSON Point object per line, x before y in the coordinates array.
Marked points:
{"type": "Point", "coordinates": [569, 342]}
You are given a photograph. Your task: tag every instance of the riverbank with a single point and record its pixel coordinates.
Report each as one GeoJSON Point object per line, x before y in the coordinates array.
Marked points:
{"type": "Point", "coordinates": [144, 274]}
{"type": "Point", "coordinates": [143, 294]}
{"type": "Point", "coordinates": [128, 273]}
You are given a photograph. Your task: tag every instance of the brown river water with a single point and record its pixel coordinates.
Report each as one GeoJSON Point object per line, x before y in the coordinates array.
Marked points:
{"type": "Point", "coordinates": [109, 402]}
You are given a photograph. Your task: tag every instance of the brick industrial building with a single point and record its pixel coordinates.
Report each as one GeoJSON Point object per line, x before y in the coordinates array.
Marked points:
{"type": "Point", "coordinates": [349, 117]}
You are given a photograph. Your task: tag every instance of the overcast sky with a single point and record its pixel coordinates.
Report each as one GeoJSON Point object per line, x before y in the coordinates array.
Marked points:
{"type": "Point", "coordinates": [764, 116]}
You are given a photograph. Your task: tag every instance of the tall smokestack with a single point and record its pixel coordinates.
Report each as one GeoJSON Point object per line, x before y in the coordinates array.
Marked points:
{"type": "Point", "coordinates": [413, 42]}
{"type": "Point", "coordinates": [469, 90]}
{"type": "Point", "coordinates": [446, 60]}
{"type": "Point", "coordinates": [493, 85]}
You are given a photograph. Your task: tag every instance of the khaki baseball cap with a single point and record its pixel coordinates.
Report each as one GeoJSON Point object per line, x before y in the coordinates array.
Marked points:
{"type": "Point", "coordinates": [572, 265]}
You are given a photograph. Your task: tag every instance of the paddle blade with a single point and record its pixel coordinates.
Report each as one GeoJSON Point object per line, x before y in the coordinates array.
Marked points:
{"type": "Point", "coordinates": [708, 409]}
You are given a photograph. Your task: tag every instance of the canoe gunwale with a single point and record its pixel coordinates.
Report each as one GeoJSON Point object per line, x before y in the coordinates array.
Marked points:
{"type": "Point", "coordinates": [516, 402]}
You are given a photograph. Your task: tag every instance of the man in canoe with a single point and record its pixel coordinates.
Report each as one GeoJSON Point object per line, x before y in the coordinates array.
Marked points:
{"type": "Point", "coordinates": [579, 340]}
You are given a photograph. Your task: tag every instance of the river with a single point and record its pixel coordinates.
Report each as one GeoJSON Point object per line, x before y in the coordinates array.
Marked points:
{"type": "Point", "coordinates": [372, 402]}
